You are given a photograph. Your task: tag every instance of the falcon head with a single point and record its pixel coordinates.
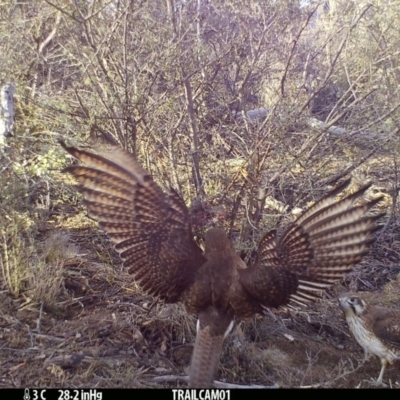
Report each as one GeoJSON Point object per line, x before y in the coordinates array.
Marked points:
{"type": "Point", "coordinates": [352, 305]}
{"type": "Point", "coordinates": [217, 243]}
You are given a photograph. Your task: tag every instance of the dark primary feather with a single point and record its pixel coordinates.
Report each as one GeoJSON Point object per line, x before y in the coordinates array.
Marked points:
{"type": "Point", "coordinates": [314, 252]}
{"type": "Point", "coordinates": [150, 230]}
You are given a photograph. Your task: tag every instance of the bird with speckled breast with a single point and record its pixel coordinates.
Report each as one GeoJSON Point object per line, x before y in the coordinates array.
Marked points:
{"type": "Point", "coordinates": [376, 329]}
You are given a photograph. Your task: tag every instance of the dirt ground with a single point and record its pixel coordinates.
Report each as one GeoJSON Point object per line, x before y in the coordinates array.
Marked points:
{"type": "Point", "coordinates": [102, 331]}
{"type": "Point", "coordinates": [105, 332]}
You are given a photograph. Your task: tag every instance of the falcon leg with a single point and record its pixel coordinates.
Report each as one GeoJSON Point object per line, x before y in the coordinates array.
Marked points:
{"type": "Point", "coordinates": [383, 363]}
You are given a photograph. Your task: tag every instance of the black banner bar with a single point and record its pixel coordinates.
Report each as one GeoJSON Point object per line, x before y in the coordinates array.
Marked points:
{"type": "Point", "coordinates": [170, 394]}
{"type": "Point", "coordinates": [110, 394]}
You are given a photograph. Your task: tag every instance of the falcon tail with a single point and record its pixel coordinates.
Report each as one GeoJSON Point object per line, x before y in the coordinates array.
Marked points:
{"type": "Point", "coordinates": [206, 353]}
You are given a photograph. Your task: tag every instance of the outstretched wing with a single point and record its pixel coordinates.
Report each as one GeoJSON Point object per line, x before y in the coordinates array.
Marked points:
{"type": "Point", "coordinates": [150, 230]}
{"type": "Point", "coordinates": [323, 244]}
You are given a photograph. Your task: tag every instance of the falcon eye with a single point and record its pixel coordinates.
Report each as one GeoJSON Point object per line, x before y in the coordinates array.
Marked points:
{"type": "Point", "coordinates": [353, 300]}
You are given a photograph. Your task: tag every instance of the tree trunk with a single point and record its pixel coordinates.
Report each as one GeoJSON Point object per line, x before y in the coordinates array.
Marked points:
{"type": "Point", "coordinates": [6, 114]}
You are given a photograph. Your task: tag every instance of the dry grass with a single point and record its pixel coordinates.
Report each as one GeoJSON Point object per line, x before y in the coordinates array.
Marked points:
{"type": "Point", "coordinates": [15, 250]}
{"type": "Point", "coordinates": [46, 270]}
{"type": "Point", "coordinates": [70, 317]}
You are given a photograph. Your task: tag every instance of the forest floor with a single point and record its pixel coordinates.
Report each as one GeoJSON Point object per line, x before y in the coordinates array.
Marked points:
{"type": "Point", "coordinates": [105, 332]}
{"type": "Point", "coordinates": [99, 330]}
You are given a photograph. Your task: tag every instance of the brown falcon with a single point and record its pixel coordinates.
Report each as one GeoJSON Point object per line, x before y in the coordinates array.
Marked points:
{"type": "Point", "coordinates": [151, 232]}
{"type": "Point", "coordinates": [376, 329]}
